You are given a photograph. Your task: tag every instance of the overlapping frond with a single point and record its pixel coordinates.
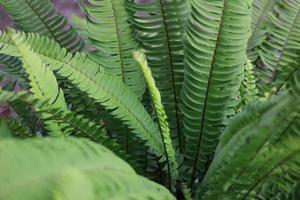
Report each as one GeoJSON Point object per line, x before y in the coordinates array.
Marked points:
{"type": "Point", "coordinates": [159, 26]}
{"type": "Point", "coordinates": [112, 41]}
{"type": "Point", "coordinates": [109, 31]}
{"type": "Point", "coordinates": [69, 169]}
{"type": "Point", "coordinates": [104, 88]}
{"type": "Point", "coordinates": [243, 119]}
{"type": "Point", "coordinates": [42, 81]}
{"type": "Point", "coordinates": [279, 53]}
{"type": "Point", "coordinates": [75, 125]}
{"type": "Point", "coordinates": [216, 42]}
{"type": "Point", "coordinates": [283, 183]}
{"type": "Point", "coordinates": [39, 16]}
{"type": "Point", "coordinates": [260, 11]}
{"type": "Point", "coordinates": [257, 137]}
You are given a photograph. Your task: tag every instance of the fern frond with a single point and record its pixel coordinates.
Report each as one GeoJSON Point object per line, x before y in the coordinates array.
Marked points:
{"type": "Point", "coordinates": [39, 16]}
{"type": "Point", "coordinates": [75, 125]}
{"type": "Point", "coordinates": [256, 138]}
{"type": "Point", "coordinates": [279, 54]}
{"type": "Point", "coordinates": [216, 42]}
{"type": "Point", "coordinates": [260, 12]}
{"type": "Point", "coordinates": [243, 119]}
{"type": "Point", "coordinates": [159, 26]}
{"type": "Point", "coordinates": [69, 169]}
{"type": "Point", "coordinates": [162, 117]}
{"type": "Point", "coordinates": [283, 183]}
{"type": "Point", "coordinates": [109, 31]}
{"type": "Point", "coordinates": [104, 88]}
{"type": "Point", "coordinates": [42, 80]}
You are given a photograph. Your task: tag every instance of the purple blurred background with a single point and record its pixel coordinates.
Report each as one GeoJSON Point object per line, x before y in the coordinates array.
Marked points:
{"type": "Point", "coordinates": [65, 7]}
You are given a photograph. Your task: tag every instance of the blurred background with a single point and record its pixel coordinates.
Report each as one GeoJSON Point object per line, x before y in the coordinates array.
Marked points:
{"type": "Point", "coordinates": [65, 7]}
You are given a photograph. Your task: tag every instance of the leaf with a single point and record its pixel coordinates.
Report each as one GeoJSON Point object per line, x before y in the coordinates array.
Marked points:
{"type": "Point", "coordinates": [279, 54]}
{"type": "Point", "coordinates": [260, 12]}
{"type": "Point", "coordinates": [43, 83]}
{"type": "Point", "coordinates": [61, 169]}
{"type": "Point", "coordinates": [263, 139]}
{"type": "Point", "coordinates": [39, 16]}
{"type": "Point", "coordinates": [109, 32]}
{"type": "Point", "coordinates": [74, 124]}
{"type": "Point", "coordinates": [102, 87]}
{"type": "Point", "coordinates": [162, 118]}
{"type": "Point", "coordinates": [159, 26]}
{"type": "Point", "coordinates": [216, 41]}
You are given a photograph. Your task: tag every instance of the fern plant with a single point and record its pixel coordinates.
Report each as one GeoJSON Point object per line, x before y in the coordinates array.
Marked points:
{"type": "Point", "coordinates": [200, 98]}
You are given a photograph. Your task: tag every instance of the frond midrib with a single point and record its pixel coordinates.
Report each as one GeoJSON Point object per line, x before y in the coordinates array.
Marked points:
{"type": "Point", "coordinates": [120, 48]}
{"type": "Point", "coordinates": [174, 91]}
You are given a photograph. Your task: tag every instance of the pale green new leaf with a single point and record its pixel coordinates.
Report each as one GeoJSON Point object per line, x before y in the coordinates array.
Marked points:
{"type": "Point", "coordinates": [161, 116]}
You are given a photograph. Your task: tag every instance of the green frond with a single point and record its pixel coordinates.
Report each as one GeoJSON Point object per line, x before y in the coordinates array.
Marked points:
{"type": "Point", "coordinates": [74, 124]}
{"type": "Point", "coordinates": [112, 39]}
{"type": "Point", "coordinates": [109, 31]}
{"type": "Point", "coordinates": [216, 42]}
{"type": "Point", "coordinates": [69, 169]}
{"type": "Point", "coordinates": [159, 26]}
{"type": "Point", "coordinates": [161, 115]}
{"type": "Point", "coordinates": [104, 88]}
{"type": "Point", "coordinates": [268, 162]}
{"type": "Point", "coordinates": [279, 53]}
{"type": "Point", "coordinates": [43, 83]}
{"type": "Point", "coordinates": [39, 16]}
{"type": "Point", "coordinates": [249, 114]}
{"type": "Point", "coordinates": [283, 183]}
{"type": "Point", "coordinates": [256, 137]}
{"type": "Point", "coordinates": [260, 12]}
